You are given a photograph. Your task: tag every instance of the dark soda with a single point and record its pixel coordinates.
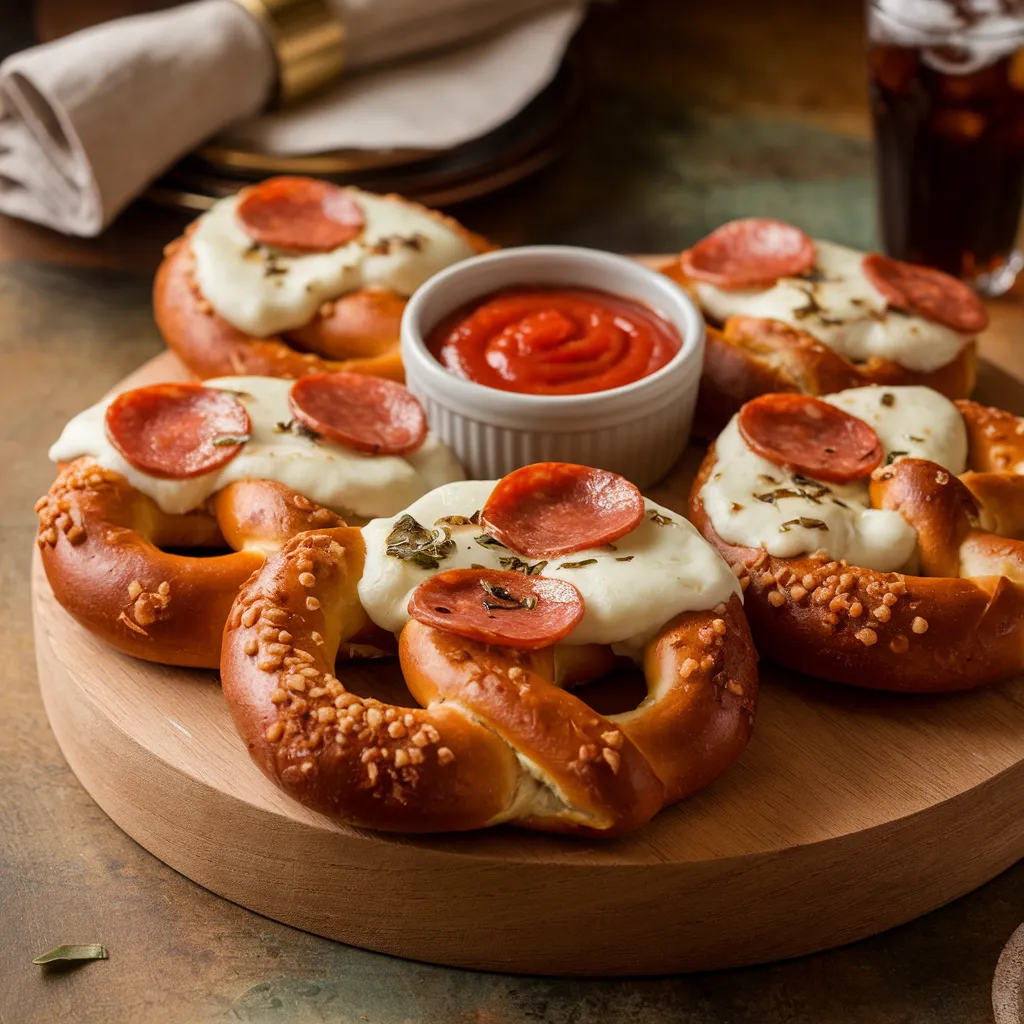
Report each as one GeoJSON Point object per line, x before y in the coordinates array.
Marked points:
{"type": "Point", "coordinates": [948, 106]}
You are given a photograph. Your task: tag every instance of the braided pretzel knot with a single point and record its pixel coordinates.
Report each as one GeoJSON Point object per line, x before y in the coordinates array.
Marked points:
{"type": "Point", "coordinates": [102, 543]}
{"type": "Point", "coordinates": [958, 625]}
{"type": "Point", "coordinates": [749, 356]}
{"type": "Point", "coordinates": [358, 332]}
{"type": "Point", "coordinates": [498, 737]}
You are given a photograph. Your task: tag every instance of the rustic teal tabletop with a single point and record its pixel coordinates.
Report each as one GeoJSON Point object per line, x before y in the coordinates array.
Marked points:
{"type": "Point", "coordinates": [697, 113]}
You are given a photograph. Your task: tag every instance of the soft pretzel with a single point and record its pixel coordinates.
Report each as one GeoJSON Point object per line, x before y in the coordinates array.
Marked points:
{"type": "Point", "coordinates": [786, 313]}
{"type": "Point", "coordinates": [498, 736]}
{"type": "Point", "coordinates": [353, 327]}
{"type": "Point", "coordinates": [107, 551]}
{"type": "Point", "coordinates": [156, 472]}
{"type": "Point", "coordinates": [950, 618]}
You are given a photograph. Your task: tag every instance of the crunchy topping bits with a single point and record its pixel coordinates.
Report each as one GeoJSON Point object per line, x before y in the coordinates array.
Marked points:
{"type": "Point", "coordinates": [444, 756]}
{"type": "Point", "coordinates": [312, 603]}
{"type": "Point", "coordinates": [856, 610]}
{"type": "Point", "coordinates": [307, 579]}
{"type": "Point", "coordinates": [613, 738]}
{"type": "Point", "coordinates": [274, 732]}
{"type": "Point", "coordinates": [718, 625]}
{"type": "Point", "coordinates": [612, 758]}
{"type": "Point", "coordinates": [688, 667]}
{"type": "Point", "coordinates": [735, 687]}
{"type": "Point", "coordinates": [882, 613]}
{"type": "Point", "coordinates": [866, 636]}
{"type": "Point", "coordinates": [131, 625]}
{"type": "Point", "coordinates": [798, 593]}
{"type": "Point", "coordinates": [919, 625]}
{"type": "Point", "coordinates": [776, 599]}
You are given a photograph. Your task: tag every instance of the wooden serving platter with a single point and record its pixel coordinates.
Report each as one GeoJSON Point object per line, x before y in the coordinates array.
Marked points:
{"type": "Point", "coordinates": [850, 812]}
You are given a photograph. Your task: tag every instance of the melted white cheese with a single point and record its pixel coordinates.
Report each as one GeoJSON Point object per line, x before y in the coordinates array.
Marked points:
{"type": "Point", "coordinates": [670, 569]}
{"type": "Point", "coordinates": [917, 422]}
{"type": "Point", "coordinates": [843, 310]}
{"type": "Point", "coordinates": [401, 246]}
{"type": "Point", "coordinates": [342, 479]}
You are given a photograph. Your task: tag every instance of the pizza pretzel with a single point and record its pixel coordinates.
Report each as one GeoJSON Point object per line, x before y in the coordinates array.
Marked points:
{"type": "Point", "coordinates": [956, 625]}
{"type": "Point", "coordinates": [107, 549]}
{"type": "Point", "coordinates": [747, 356]}
{"type": "Point", "coordinates": [358, 332]}
{"type": "Point", "coordinates": [499, 736]}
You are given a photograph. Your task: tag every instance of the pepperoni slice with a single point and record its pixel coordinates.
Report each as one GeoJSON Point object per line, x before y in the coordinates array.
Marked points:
{"type": "Point", "coordinates": [750, 253]}
{"type": "Point", "coordinates": [555, 508]}
{"type": "Point", "coordinates": [176, 431]}
{"type": "Point", "coordinates": [367, 413]}
{"type": "Point", "coordinates": [810, 436]}
{"type": "Point", "coordinates": [506, 609]}
{"type": "Point", "coordinates": [931, 293]}
{"type": "Point", "coordinates": [300, 214]}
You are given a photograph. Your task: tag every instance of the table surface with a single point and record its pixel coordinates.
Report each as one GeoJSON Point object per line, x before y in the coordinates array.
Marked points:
{"type": "Point", "coordinates": [699, 113]}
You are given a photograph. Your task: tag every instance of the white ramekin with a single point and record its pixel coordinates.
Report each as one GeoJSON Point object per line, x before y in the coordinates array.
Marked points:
{"type": "Point", "coordinates": [638, 430]}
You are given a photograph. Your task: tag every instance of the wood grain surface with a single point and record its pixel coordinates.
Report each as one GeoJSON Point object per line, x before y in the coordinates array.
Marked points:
{"type": "Point", "coordinates": [847, 815]}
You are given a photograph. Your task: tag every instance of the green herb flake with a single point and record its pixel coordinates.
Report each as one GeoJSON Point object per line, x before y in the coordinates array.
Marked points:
{"type": "Point", "coordinates": [226, 440]}
{"type": "Point", "coordinates": [893, 456]}
{"type": "Point", "coordinates": [296, 428]}
{"type": "Point", "coordinates": [888, 400]}
{"type": "Point", "coordinates": [659, 519]}
{"type": "Point", "coordinates": [414, 543]}
{"type": "Point", "coordinates": [579, 565]}
{"type": "Point", "coordinates": [504, 601]}
{"type": "Point", "coordinates": [513, 563]}
{"type": "Point", "coordinates": [454, 521]}
{"type": "Point", "coordinates": [488, 542]}
{"type": "Point", "coordinates": [86, 951]}
{"type": "Point", "coordinates": [625, 558]}
{"type": "Point", "coordinates": [805, 522]}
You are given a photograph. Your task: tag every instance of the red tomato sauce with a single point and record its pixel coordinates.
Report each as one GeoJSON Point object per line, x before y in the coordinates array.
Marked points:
{"type": "Point", "coordinates": [554, 341]}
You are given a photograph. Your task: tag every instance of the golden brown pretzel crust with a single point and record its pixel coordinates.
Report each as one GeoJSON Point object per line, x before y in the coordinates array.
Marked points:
{"type": "Point", "coordinates": [101, 542]}
{"type": "Point", "coordinates": [452, 764]}
{"type": "Point", "coordinates": [959, 626]}
{"type": "Point", "coordinates": [751, 356]}
{"type": "Point", "coordinates": [358, 332]}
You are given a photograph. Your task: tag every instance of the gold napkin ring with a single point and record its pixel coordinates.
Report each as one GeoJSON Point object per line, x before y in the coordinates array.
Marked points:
{"type": "Point", "coordinates": [308, 40]}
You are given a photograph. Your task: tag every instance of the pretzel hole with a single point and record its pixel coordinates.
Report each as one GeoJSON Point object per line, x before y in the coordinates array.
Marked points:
{"type": "Point", "coordinates": [380, 678]}
{"type": "Point", "coordinates": [621, 690]}
{"type": "Point", "coordinates": [213, 551]}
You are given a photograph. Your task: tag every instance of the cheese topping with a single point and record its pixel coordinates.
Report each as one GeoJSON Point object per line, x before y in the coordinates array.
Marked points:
{"type": "Point", "coordinates": [840, 307]}
{"type": "Point", "coordinates": [265, 291]}
{"type": "Point", "coordinates": [630, 590]}
{"type": "Point", "coordinates": [347, 481]}
{"type": "Point", "coordinates": [753, 502]}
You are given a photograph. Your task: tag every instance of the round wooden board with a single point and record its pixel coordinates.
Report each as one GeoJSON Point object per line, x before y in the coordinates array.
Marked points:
{"type": "Point", "coordinates": [850, 812]}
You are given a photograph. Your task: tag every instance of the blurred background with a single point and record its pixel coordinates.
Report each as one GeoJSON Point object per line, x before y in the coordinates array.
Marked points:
{"type": "Point", "coordinates": [679, 118]}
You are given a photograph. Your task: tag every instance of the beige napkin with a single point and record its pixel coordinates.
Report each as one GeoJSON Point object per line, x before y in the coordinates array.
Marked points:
{"type": "Point", "coordinates": [88, 121]}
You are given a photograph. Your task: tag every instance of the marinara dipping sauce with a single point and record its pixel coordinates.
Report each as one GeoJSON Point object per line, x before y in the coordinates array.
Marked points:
{"type": "Point", "coordinates": [554, 341]}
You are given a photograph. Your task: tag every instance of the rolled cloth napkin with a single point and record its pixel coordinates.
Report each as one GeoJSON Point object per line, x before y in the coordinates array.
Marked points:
{"type": "Point", "coordinates": [88, 121]}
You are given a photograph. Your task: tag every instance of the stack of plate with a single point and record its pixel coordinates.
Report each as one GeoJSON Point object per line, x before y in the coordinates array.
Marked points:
{"type": "Point", "coordinates": [531, 140]}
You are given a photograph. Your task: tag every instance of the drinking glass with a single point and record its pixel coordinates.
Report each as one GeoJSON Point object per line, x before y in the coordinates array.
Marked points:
{"type": "Point", "coordinates": [947, 97]}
